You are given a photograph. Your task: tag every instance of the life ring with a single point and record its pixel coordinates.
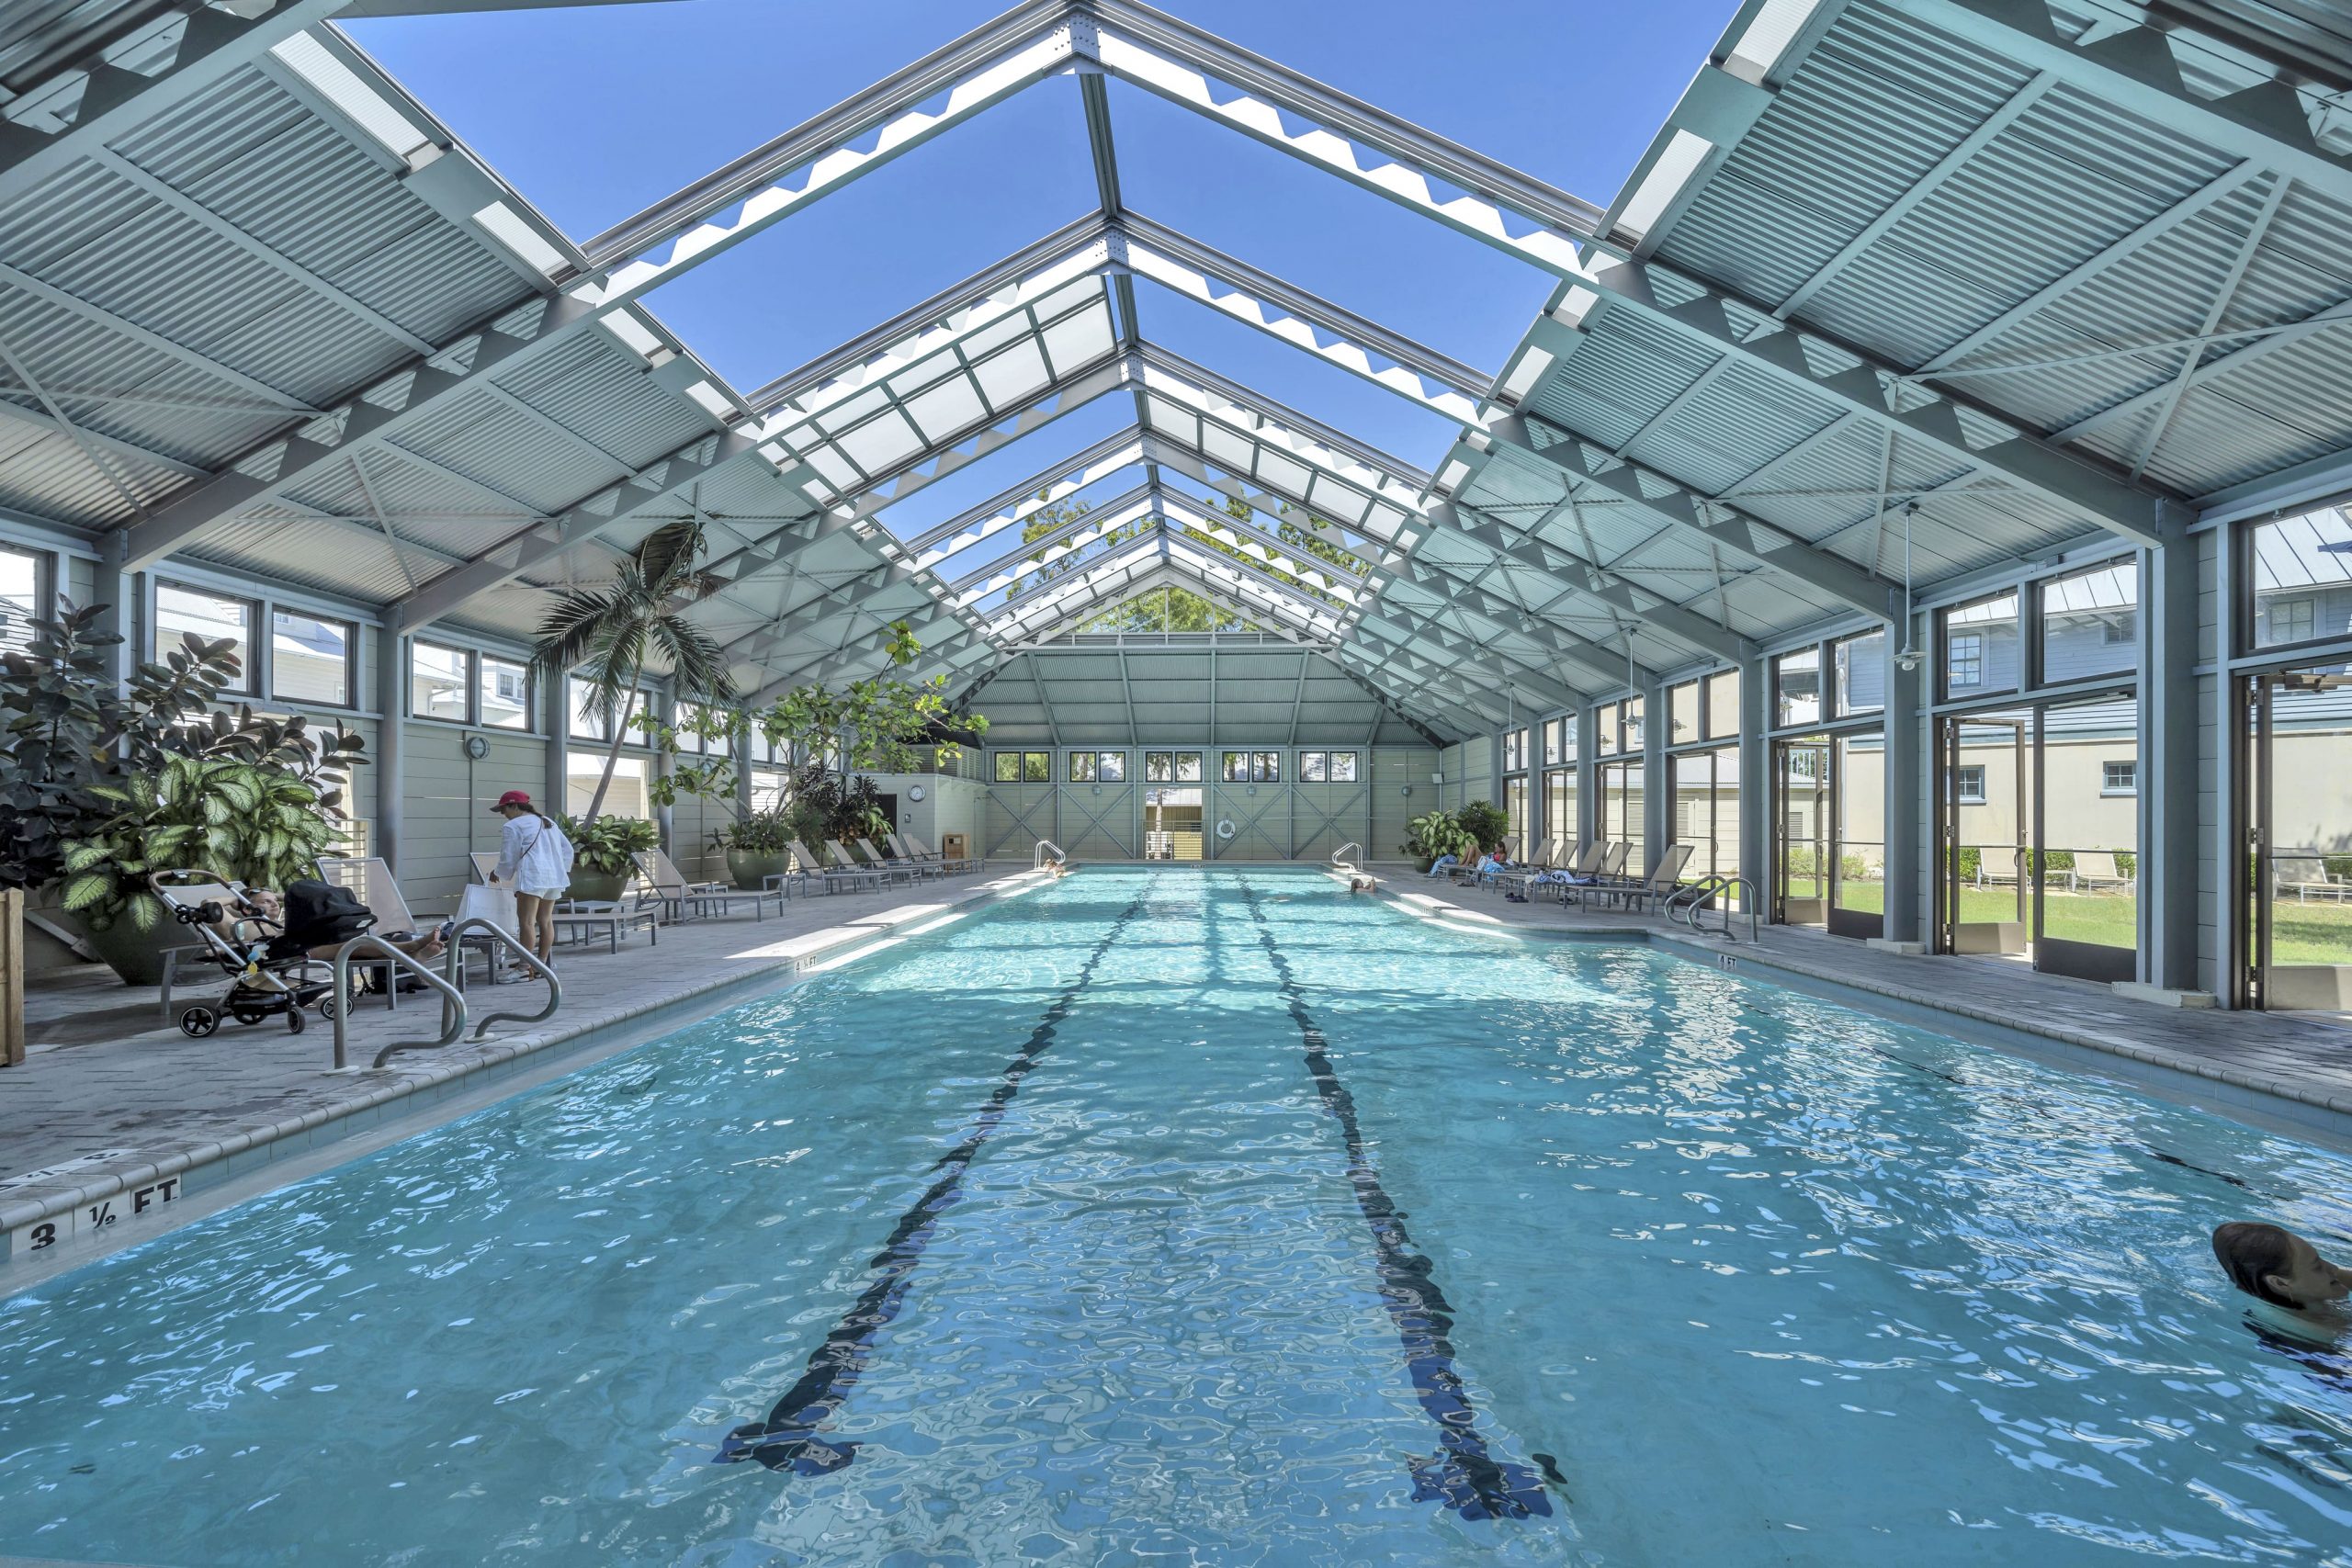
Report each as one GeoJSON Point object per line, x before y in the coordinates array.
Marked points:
{"type": "Point", "coordinates": [1225, 828]}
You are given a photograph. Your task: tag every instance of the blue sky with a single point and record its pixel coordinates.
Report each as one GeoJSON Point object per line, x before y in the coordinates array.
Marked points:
{"type": "Point", "coordinates": [594, 112]}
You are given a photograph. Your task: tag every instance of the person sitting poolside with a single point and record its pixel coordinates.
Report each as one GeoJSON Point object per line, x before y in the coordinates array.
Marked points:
{"type": "Point", "coordinates": [1440, 865]}
{"type": "Point", "coordinates": [1495, 864]}
{"type": "Point", "coordinates": [2276, 1266]}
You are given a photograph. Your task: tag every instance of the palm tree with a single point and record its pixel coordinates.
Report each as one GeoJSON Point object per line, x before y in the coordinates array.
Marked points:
{"type": "Point", "coordinates": [606, 633]}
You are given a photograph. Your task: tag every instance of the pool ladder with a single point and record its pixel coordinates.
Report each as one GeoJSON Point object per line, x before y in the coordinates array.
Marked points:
{"type": "Point", "coordinates": [1339, 856]}
{"type": "Point", "coordinates": [453, 1000]}
{"type": "Point", "coordinates": [1687, 904]}
{"type": "Point", "coordinates": [1043, 845]}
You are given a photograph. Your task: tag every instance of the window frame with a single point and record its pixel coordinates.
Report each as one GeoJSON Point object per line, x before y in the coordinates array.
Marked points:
{"type": "Point", "coordinates": [468, 679]}
{"type": "Point", "coordinates": [251, 674]}
{"type": "Point", "coordinates": [350, 659]}
{"type": "Point", "coordinates": [1961, 790]}
{"type": "Point", "coordinates": [41, 602]}
{"type": "Point", "coordinates": [2107, 787]}
{"type": "Point", "coordinates": [483, 659]}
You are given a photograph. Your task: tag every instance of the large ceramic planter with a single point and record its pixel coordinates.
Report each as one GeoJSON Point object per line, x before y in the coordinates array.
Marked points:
{"type": "Point", "coordinates": [596, 886]}
{"type": "Point", "coordinates": [137, 956]}
{"type": "Point", "coordinates": [751, 868]}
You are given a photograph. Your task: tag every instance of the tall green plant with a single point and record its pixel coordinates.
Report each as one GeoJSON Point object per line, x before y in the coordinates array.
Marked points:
{"type": "Point", "coordinates": [1436, 833]}
{"type": "Point", "coordinates": [68, 729]}
{"type": "Point", "coordinates": [1484, 822]}
{"type": "Point", "coordinates": [258, 822]}
{"type": "Point", "coordinates": [607, 633]}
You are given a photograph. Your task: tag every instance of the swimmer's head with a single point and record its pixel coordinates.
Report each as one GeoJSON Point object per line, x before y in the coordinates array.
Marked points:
{"type": "Point", "coordinates": [2279, 1267]}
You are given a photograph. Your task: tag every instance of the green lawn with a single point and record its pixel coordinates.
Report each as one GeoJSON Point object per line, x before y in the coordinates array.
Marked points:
{"type": "Point", "coordinates": [2301, 933]}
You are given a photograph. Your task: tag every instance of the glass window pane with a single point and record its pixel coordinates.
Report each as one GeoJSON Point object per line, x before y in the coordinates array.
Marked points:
{"type": "Point", "coordinates": [1037, 767]}
{"type": "Point", "coordinates": [1269, 767]}
{"type": "Point", "coordinates": [1188, 767]}
{"type": "Point", "coordinates": [505, 693]}
{"type": "Point", "coordinates": [20, 595]}
{"type": "Point", "coordinates": [1796, 686]}
{"type": "Point", "coordinates": [1008, 767]}
{"type": "Point", "coordinates": [1236, 767]}
{"type": "Point", "coordinates": [1682, 711]}
{"type": "Point", "coordinates": [2300, 570]}
{"type": "Point", "coordinates": [1861, 672]}
{"type": "Point", "coordinates": [689, 715]}
{"type": "Point", "coordinates": [309, 660]}
{"type": "Point", "coordinates": [1158, 767]}
{"type": "Point", "coordinates": [437, 682]}
{"type": "Point", "coordinates": [1081, 767]}
{"type": "Point", "coordinates": [583, 720]}
{"type": "Point", "coordinates": [1343, 767]}
{"type": "Point", "coordinates": [1605, 721]}
{"type": "Point", "coordinates": [1634, 717]}
{"type": "Point", "coordinates": [626, 797]}
{"type": "Point", "coordinates": [1981, 646]}
{"type": "Point", "coordinates": [1314, 767]}
{"type": "Point", "coordinates": [1723, 705]}
{"type": "Point", "coordinates": [1112, 767]}
{"type": "Point", "coordinates": [181, 613]}
{"type": "Point", "coordinates": [2090, 622]}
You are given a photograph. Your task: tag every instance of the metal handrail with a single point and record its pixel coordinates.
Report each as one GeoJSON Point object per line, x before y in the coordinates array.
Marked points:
{"type": "Point", "coordinates": [1688, 903]}
{"type": "Point", "coordinates": [456, 962]}
{"type": "Point", "coordinates": [453, 1002]}
{"type": "Point", "coordinates": [1748, 898]}
{"type": "Point", "coordinates": [1043, 845]}
{"type": "Point", "coordinates": [1341, 850]}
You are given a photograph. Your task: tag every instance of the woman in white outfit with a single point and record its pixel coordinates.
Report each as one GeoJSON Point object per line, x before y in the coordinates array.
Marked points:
{"type": "Point", "coordinates": [535, 859]}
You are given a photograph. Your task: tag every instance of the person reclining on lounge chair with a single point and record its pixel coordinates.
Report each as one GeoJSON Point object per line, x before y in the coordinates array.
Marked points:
{"type": "Point", "coordinates": [1443, 864]}
{"type": "Point", "coordinates": [1494, 864]}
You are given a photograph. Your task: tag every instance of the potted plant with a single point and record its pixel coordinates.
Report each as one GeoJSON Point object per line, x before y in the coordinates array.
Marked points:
{"type": "Point", "coordinates": [604, 852]}
{"type": "Point", "coordinates": [1436, 833]}
{"type": "Point", "coordinates": [262, 825]}
{"type": "Point", "coordinates": [757, 847]}
{"type": "Point", "coordinates": [100, 783]}
{"type": "Point", "coordinates": [1485, 824]}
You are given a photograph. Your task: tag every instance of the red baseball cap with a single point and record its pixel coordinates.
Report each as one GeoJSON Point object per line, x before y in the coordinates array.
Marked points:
{"type": "Point", "coordinates": [513, 797]}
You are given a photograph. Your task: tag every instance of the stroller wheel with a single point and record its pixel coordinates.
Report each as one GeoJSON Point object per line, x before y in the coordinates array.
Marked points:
{"type": "Point", "coordinates": [294, 1020]}
{"type": "Point", "coordinates": [327, 1008]}
{"type": "Point", "coordinates": [198, 1021]}
{"type": "Point", "coordinates": [245, 1017]}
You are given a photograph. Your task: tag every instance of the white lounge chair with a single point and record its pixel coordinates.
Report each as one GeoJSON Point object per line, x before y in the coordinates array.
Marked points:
{"type": "Point", "coordinates": [2305, 874]}
{"type": "Point", "coordinates": [2095, 869]}
{"type": "Point", "coordinates": [581, 921]}
{"type": "Point", "coordinates": [955, 866]}
{"type": "Point", "coordinates": [1648, 891]}
{"type": "Point", "coordinates": [894, 868]}
{"type": "Point", "coordinates": [682, 899]}
{"type": "Point", "coordinates": [836, 876]}
{"type": "Point", "coordinates": [926, 865]}
{"type": "Point", "coordinates": [1996, 864]}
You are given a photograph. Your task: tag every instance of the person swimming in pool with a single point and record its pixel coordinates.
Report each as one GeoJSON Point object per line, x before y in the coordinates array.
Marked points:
{"type": "Point", "coordinates": [2278, 1268]}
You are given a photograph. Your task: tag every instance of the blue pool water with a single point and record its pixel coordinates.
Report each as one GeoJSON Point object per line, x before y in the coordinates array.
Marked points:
{"type": "Point", "coordinates": [1217, 1217]}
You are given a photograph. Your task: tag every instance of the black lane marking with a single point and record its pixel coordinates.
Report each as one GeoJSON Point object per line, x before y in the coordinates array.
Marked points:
{"type": "Point", "coordinates": [788, 1439]}
{"type": "Point", "coordinates": [1463, 1473]}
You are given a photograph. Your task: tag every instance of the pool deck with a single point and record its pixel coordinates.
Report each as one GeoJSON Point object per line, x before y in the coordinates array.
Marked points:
{"type": "Point", "coordinates": [113, 1108]}
{"type": "Point", "coordinates": [116, 1116]}
{"type": "Point", "coordinates": [2249, 1060]}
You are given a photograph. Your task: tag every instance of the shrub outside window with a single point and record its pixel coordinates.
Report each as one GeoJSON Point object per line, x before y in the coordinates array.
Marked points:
{"type": "Point", "coordinates": [1172, 767]}
{"type": "Point", "coordinates": [1024, 767]}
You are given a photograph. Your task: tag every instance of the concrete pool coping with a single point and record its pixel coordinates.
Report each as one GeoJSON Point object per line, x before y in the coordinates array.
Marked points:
{"type": "Point", "coordinates": [2310, 1093]}
{"type": "Point", "coordinates": [137, 1187]}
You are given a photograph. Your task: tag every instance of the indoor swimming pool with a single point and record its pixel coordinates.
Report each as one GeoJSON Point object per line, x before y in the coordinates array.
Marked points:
{"type": "Point", "coordinates": [1219, 1218]}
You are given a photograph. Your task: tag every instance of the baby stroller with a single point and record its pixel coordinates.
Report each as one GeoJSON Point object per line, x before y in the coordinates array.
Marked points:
{"type": "Point", "coordinates": [267, 977]}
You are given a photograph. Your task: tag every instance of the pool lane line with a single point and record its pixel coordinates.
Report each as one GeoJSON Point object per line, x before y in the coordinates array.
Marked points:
{"type": "Point", "coordinates": [788, 1439]}
{"type": "Point", "coordinates": [1463, 1473]}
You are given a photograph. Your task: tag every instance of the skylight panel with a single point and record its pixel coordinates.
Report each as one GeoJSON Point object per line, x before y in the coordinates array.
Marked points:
{"type": "Point", "coordinates": [1080, 339]}
{"type": "Point", "coordinates": [835, 468]}
{"type": "Point", "coordinates": [881, 441]}
{"type": "Point", "coordinates": [1163, 415]}
{"type": "Point", "coordinates": [851, 410]}
{"type": "Point", "coordinates": [1070, 297]}
{"type": "Point", "coordinates": [1234, 451]}
{"type": "Point", "coordinates": [947, 407]}
{"type": "Point", "coordinates": [1341, 503]}
{"type": "Point", "coordinates": [1004, 330]}
{"type": "Point", "coordinates": [1012, 374]}
{"type": "Point", "coordinates": [1283, 474]}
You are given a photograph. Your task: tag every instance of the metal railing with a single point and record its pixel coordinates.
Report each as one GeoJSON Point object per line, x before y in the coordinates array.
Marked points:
{"type": "Point", "coordinates": [1339, 856]}
{"type": "Point", "coordinates": [1043, 845]}
{"type": "Point", "coordinates": [453, 1001]}
{"type": "Point", "coordinates": [504, 938]}
{"type": "Point", "coordinates": [1689, 903]}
